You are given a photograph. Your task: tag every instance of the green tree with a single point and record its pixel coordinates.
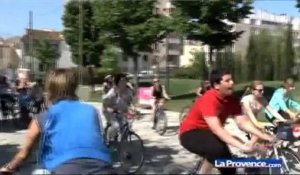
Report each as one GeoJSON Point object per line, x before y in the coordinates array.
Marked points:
{"type": "Point", "coordinates": [251, 57]}
{"type": "Point", "coordinates": [92, 47]}
{"type": "Point", "coordinates": [239, 72]}
{"type": "Point", "coordinates": [206, 21]}
{"type": "Point", "coordinates": [110, 58]}
{"type": "Point", "coordinates": [130, 25]}
{"type": "Point", "coordinates": [198, 67]}
{"type": "Point", "coordinates": [298, 4]}
{"type": "Point", "coordinates": [265, 49]}
{"type": "Point", "coordinates": [46, 53]}
{"type": "Point", "coordinates": [288, 52]}
{"type": "Point", "coordinates": [277, 62]}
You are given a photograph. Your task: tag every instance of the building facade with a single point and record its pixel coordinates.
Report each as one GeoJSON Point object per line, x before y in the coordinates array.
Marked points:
{"type": "Point", "coordinates": [167, 51]}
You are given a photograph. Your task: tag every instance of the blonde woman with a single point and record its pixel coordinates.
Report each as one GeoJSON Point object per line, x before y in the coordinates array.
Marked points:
{"type": "Point", "coordinates": [70, 132]}
{"type": "Point", "coordinates": [254, 103]}
{"type": "Point", "coordinates": [159, 94]}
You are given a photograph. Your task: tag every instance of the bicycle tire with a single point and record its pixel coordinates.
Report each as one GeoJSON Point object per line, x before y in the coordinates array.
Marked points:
{"type": "Point", "coordinates": [284, 152]}
{"type": "Point", "coordinates": [196, 168]}
{"type": "Point", "coordinates": [183, 113]}
{"type": "Point", "coordinates": [162, 122]}
{"type": "Point", "coordinates": [108, 135]}
{"type": "Point", "coordinates": [128, 151]}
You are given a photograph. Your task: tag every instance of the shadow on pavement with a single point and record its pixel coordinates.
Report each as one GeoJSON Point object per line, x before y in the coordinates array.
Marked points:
{"type": "Point", "coordinates": [13, 125]}
{"type": "Point", "coordinates": [156, 157]}
{"type": "Point", "coordinates": [171, 131]}
{"type": "Point", "coordinates": [7, 152]}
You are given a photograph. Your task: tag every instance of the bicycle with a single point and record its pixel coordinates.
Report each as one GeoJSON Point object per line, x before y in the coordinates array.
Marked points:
{"type": "Point", "coordinates": [160, 118]}
{"type": "Point", "coordinates": [184, 111]}
{"type": "Point", "coordinates": [284, 132]}
{"type": "Point", "coordinates": [127, 147]}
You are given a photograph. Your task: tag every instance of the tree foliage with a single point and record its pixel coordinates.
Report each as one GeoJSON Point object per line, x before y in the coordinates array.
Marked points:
{"type": "Point", "coordinates": [110, 58]}
{"type": "Point", "coordinates": [92, 47]}
{"type": "Point", "coordinates": [46, 53]}
{"type": "Point", "coordinates": [208, 21]}
{"type": "Point", "coordinates": [271, 54]}
{"type": "Point", "coordinates": [130, 25]}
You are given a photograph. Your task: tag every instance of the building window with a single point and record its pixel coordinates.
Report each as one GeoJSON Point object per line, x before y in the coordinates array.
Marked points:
{"type": "Point", "coordinates": [156, 10]}
{"type": "Point", "coordinates": [156, 46]}
{"type": "Point", "coordinates": [145, 58]}
{"type": "Point", "coordinates": [41, 67]}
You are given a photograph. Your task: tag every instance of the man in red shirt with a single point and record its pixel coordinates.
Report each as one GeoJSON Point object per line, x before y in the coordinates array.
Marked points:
{"type": "Point", "coordinates": [202, 131]}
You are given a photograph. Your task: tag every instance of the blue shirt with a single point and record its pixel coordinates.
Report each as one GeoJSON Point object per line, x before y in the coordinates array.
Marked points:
{"type": "Point", "coordinates": [71, 130]}
{"type": "Point", "coordinates": [282, 101]}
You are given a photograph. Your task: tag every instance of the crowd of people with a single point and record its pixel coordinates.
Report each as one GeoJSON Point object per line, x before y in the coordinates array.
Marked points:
{"type": "Point", "coordinates": [21, 93]}
{"type": "Point", "coordinates": [201, 132]}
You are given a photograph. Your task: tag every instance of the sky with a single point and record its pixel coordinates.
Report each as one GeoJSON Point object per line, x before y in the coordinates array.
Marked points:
{"type": "Point", "coordinates": [14, 14]}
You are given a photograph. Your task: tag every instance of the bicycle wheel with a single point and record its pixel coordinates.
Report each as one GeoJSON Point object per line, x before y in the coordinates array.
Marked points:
{"type": "Point", "coordinates": [162, 122]}
{"type": "Point", "coordinates": [131, 153]}
{"type": "Point", "coordinates": [110, 135]}
{"type": "Point", "coordinates": [183, 113]}
{"type": "Point", "coordinates": [290, 162]}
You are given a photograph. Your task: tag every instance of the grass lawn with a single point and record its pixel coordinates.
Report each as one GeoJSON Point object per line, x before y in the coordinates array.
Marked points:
{"type": "Point", "coordinates": [188, 87]}
{"type": "Point", "coordinates": [177, 103]}
{"type": "Point", "coordinates": [96, 96]}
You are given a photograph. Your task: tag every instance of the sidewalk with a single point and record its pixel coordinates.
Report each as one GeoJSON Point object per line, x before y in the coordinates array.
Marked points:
{"type": "Point", "coordinates": [164, 154]}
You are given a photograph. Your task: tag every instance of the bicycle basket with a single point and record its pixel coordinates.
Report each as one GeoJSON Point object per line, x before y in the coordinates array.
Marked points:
{"type": "Point", "coordinates": [285, 132]}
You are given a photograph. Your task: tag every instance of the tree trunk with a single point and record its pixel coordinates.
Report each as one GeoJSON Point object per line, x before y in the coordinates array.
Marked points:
{"type": "Point", "coordinates": [92, 77]}
{"type": "Point", "coordinates": [210, 61]}
{"type": "Point", "coordinates": [136, 78]}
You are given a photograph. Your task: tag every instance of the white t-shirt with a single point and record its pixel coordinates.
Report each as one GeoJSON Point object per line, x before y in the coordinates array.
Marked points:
{"type": "Point", "coordinates": [118, 101]}
{"type": "Point", "coordinates": [255, 107]}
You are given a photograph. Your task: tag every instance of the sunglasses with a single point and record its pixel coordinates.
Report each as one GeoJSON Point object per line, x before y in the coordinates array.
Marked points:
{"type": "Point", "coordinates": [259, 90]}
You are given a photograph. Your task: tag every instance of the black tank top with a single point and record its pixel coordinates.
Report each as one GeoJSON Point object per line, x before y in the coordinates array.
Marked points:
{"type": "Point", "coordinates": [157, 93]}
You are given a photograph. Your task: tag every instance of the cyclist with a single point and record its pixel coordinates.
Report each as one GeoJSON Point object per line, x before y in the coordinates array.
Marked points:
{"type": "Point", "coordinates": [107, 84]}
{"type": "Point", "coordinates": [204, 86]}
{"type": "Point", "coordinates": [118, 99]}
{"type": "Point", "coordinates": [202, 131]}
{"type": "Point", "coordinates": [71, 139]}
{"type": "Point", "coordinates": [282, 101]}
{"type": "Point", "coordinates": [4, 94]}
{"type": "Point", "coordinates": [254, 103]}
{"type": "Point", "coordinates": [37, 95]}
{"type": "Point", "coordinates": [158, 93]}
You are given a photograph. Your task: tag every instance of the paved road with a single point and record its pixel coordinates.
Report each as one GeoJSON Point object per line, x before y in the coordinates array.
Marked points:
{"type": "Point", "coordinates": [164, 154]}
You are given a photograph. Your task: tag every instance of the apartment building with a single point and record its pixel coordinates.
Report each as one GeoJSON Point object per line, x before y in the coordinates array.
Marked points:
{"type": "Point", "coordinates": [261, 19]}
{"type": "Point", "coordinates": [168, 50]}
{"type": "Point", "coordinates": [258, 20]}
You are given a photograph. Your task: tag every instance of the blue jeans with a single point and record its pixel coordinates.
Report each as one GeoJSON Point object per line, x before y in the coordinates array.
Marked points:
{"type": "Point", "coordinates": [84, 166]}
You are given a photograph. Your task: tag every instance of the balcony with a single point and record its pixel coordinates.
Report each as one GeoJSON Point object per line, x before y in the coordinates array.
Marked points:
{"type": "Point", "coordinates": [174, 52]}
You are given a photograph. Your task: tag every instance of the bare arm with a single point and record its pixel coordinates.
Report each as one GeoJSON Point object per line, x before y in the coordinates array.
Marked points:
{"type": "Point", "coordinates": [245, 124]}
{"type": "Point", "coordinates": [217, 128]}
{"type": "Point", "coordinates": [272, 111]}
{"type": "Point", "coordinates": [275, 113]}
{"type": "Point", "coordinates": [165, 94]}
{"type": "Point", "coordinates": [32, 134]}
{"type": "Point", "coordinates": [248, 111]}
{"type": "Point", "coordinates": [198, 91]}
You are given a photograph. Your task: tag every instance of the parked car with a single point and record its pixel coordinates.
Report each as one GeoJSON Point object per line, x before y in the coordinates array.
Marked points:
{"type": "Point", "coordinates": [146, 73]}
